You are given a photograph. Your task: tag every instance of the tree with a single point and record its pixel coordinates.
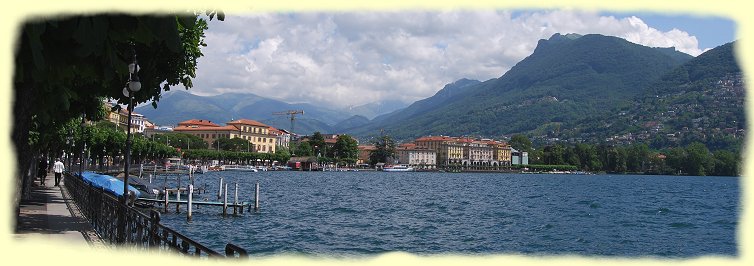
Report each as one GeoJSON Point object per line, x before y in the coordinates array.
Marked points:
{"type": "Point", "coordinates": [317, 141]}
{"type": "Point", "coordinates": [282, 155]}
{"type": "Point", "coordinates": [676, 158]}
{"type": "Point", "coordinates": [384, 150]}
{"type": "Point", "coordinates": [64, 67]}
{"type": "Point", "coordinates": [304, 149]}
{"type": "Point", "coordinates": [637, 157]}
{"type": "Point", "coordinates": [699, 161]}
{"type": "Point", "coordinates": [553, 155]}
{"type": "Point", "coordinates": [520, 142]}
{"type": "Point", "coordinates": [726, 163]}
{"type": "Point", "coordinates": [346, 149]}
{"type": "Point", "coordinates": [234, 144]}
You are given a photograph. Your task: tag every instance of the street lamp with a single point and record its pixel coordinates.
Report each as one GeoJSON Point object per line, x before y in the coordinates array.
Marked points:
{"type": "Point", "coordinates": [132, 86]}
{"type": "Point", "coordinates": [83, 140]}
{"type": "Point", "coordinates": [69, 146]}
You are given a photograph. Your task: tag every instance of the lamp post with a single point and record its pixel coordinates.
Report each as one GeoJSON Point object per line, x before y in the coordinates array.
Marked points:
{"type": "Point", "coordinates": [83, 140]}
{"type": "Point", "coordinates": [69, 143]}
{"type": "Point", "coordinates": [133, 85]}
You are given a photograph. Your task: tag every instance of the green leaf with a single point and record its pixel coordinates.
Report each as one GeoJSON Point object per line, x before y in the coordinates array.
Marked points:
{"type": "Point", "coordinates": [33, 34]}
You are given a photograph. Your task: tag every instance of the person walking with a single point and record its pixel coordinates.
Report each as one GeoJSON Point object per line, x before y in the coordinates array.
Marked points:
{"type": "Point", "coordinates": [42, 171]}
{"type": "Point", "coordinates": [58, 169]}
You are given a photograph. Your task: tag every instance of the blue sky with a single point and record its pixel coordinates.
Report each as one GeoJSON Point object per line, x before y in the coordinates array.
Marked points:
{"type": "Point", "coordinates": [710, 31]}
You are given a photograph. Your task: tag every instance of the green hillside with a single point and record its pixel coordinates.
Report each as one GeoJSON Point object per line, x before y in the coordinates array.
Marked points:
{"type": "Point", "coordinates": [566, 79]}
{"type": "Point", "coordinates": [702, 100]}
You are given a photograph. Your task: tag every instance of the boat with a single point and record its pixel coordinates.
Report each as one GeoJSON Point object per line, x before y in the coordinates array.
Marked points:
{"type": "Point", "coordinates": [246, 168]}
{"type": "Point", "coordinates": [398, 168]}
{"type": "Point", "coordinates": [203, 169]}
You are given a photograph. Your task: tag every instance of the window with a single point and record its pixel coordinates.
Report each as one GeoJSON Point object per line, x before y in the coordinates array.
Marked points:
{"type": "Point", "coordinates": [213, 136]}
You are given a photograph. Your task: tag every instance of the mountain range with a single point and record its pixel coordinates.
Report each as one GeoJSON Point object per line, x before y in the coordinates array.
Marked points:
{"type": "Point", "coordinates": [570, 87]}
{"type": "Point", "coordinates": [177, 106]}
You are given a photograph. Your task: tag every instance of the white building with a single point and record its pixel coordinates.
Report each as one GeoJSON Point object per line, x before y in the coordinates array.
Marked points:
{"type": "Point", "coordinates": [416, 157]}
{"type": "Point", "coordinates": [283, 137]}
{"type": "Point", "coordinates": [137, 123]}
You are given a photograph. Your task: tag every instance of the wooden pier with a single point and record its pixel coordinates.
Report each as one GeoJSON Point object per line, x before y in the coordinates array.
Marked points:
{"type": "Point", "coordinates": [239, 205]}
{"type": "Point", "coordinates": [189, 203]}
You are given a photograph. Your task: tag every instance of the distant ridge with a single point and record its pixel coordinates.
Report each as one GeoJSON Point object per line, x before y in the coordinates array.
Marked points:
{"type": "Point", "coordinates": [566, 79]}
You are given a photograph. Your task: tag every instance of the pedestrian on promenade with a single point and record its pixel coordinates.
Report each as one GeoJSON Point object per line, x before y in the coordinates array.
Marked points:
{"type": "Point", "coordinates": [42, 171]}
{"type": "Point", "coordinates": [58, 169]}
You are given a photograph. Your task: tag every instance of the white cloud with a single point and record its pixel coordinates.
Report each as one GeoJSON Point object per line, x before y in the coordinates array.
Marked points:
{"type": "Point", "coordinates": [342, 59]}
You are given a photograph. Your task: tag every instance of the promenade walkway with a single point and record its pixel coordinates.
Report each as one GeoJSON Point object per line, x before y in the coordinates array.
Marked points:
{"type": "Point", "coordinates": [50, 213]}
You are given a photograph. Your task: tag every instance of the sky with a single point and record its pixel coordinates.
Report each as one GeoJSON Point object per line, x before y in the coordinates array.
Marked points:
{"type": "Point", "coordinates": [352, 58]}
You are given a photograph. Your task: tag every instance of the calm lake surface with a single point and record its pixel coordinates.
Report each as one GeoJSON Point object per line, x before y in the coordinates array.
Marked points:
{"type": "Point", "coordinates": [368, 213]}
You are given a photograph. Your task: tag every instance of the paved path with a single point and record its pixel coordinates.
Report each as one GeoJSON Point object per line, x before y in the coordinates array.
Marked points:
{"type": "Point", "coordinates": [51, 213]}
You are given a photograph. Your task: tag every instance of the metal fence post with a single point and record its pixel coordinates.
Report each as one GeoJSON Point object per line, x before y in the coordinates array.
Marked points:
{"type": "Point", "coordinates": [154, 237]}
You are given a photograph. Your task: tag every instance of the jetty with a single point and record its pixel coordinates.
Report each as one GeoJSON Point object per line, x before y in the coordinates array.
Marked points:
{"type": "Point", "coordinates": [189, 203]}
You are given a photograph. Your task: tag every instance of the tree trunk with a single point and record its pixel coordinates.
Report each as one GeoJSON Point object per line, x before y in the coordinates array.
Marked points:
{"type": "Point", "coordinates": [20, 137]}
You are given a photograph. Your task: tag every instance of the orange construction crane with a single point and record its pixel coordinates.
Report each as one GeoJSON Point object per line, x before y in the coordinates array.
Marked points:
{"type": "Point", "coordinates": [292, 114]}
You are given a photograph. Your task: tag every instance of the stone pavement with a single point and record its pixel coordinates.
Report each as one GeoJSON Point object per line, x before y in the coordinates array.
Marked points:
{"type": "Point", "coordinates": [52, 214]}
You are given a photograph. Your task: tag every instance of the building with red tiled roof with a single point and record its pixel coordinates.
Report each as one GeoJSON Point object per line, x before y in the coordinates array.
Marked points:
{"type": "Point", "coordinates": [197, 123]}
{"type": "Point", "coordinates": [364, 152]}
{"type": "Point", "coordinates": [256, 133]}
{"type": "Point", "coordinates": [249, 122]}
{"type": "Point", "coordinates": [416, 156]}
{"type": "Point", "coordinates": [467, 150]}
{"type": "Point", "coordinates": [283, 137]}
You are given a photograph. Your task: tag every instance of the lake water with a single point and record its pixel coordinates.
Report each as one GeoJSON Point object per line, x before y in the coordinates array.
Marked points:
{"type": "Point", "coordinates": [367, 213]}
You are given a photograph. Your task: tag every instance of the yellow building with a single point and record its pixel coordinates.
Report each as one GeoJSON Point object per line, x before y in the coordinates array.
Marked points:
{"type": "Point", "coordinates": [256, 133]}
{"type": "Point", "coordinates": [503, 153]}
{"type": "Point", "coordinates": [448, 150]}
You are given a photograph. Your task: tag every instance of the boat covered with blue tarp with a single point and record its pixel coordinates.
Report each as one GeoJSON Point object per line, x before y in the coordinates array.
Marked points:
{"type": "Point", "coordinates": [108, 183]}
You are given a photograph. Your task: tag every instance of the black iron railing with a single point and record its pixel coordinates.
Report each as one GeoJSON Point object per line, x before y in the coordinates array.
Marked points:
{"type": "Point", "coordinates": [142, 231]}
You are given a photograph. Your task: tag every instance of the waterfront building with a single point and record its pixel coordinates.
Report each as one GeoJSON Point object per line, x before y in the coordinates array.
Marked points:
{"type": "Point", "coordinates": [256, 133]}
{"type": "Point", "coordinates": [519, 157]}
{"type": "Point", "coordinates": [113, 117]}
{"type": "Point", "coordinates": [208, 131]}
{"type": "Point", "coordinates": [447, 150]}
{"type": "Point", "coordinates": [450, 152]}
{"type": "Point", "coordinates": [475, 152]}
{"type": "Point", "coordinates": [467, 151]}
{"type": "Point", "coordinates": [137, 123]}
{"type": "Point", "coordinates": [501, 152]}
{"type": "Point", "coordinates": [282, 136]}
{"type": "Point", "coordinates": [417, 157]}
{"type": "Point", "coordinates": [364, 152]}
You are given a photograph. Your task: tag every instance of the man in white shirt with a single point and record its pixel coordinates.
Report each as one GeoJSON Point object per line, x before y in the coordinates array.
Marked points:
{"type": "Point", "coordinates": [58, 169]}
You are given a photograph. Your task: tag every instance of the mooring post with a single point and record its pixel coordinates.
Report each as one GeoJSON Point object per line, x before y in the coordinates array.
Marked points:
{"type": "Point", "coordinates": [191, 175]}
{"type": "Point", "coordinates": [177, 199]}
{"type": "Point", "coordinates": [225, 201]}
{"type": "Point", "coordinates": [167, 192]}
{"type": "Point", "coordinates": [220, 190]}
{"type": "Point", "coordinates": [235, 201]}
{"type": "Point", "coordinates": [190, 200]}
{"type": "Point", "coordinates": [256, 198]}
